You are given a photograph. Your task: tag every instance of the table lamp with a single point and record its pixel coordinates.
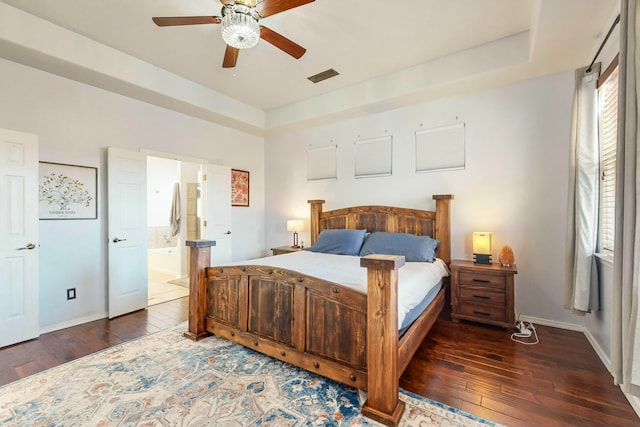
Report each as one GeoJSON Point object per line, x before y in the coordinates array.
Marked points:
{"type": "Point", "coordinates": [482, 247]}
{"type": "Point", "coordinates": [295, 225]}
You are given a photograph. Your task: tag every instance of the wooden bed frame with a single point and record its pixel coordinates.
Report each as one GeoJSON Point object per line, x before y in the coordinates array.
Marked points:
{"type": "Point", "coordinates": [321, 326]}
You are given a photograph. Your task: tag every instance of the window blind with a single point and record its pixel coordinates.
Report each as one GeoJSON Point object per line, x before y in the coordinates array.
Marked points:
{"type": "Point", "coordinates": [608, 99]}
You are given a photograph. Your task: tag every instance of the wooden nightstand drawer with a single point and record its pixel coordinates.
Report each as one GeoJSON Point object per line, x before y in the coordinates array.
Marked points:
{"type": "Point", "coordinates": [482, 312]}
{"type": "Point", "coordinates": [477, 278]}
{"type": "Point", "coordinates": [478, 295]}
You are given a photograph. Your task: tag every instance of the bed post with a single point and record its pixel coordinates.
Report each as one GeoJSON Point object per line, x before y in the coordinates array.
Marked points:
{"type": "Point", "coordinates": [443, 225]}
{"type": "Point", "coordinates": [383, 404]}
{"type": "Point", "coordinates": [199, 260]}
{"type": "Point", "coordinates": [316, 211]}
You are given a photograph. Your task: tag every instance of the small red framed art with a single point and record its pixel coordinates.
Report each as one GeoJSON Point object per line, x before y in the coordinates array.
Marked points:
{"type": "Point", "coordinates": [239, 187]}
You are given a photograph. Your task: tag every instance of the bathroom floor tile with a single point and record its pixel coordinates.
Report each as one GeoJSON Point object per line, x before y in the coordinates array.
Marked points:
{"type": "Point", "coordinates": [162, 292]}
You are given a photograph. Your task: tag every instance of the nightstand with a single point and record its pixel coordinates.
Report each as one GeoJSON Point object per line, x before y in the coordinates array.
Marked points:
{"type": "Point", "coordinates": [482, 293]}
{"type": "Point", "coordinates": [284, 250]}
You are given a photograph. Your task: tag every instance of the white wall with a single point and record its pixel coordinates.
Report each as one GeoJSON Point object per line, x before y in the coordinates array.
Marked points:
{"type": "Point", "coordinates": [75, 124]}
{"type": "Point", "coordinates": [514, 183]}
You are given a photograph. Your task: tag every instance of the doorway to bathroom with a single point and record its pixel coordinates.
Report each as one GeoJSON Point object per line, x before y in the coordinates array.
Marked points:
{"type": "Point", "coordinates": [130, 230]}
{"type": "Point", "coordinates": [174, 212]}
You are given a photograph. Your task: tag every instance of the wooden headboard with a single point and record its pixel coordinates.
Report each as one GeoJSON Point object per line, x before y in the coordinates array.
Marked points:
{"type": "Point", "coordinates": [391, 219]}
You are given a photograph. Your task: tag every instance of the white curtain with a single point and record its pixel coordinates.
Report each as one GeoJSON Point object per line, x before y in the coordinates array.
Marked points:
{"type": "Point", "coordinates": [581, 293]}
{"type": "Point", "coordinates": [625, 346]}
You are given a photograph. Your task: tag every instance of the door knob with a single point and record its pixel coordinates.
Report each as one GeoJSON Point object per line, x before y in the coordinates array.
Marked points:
{"type": "Point", "coordinates": [29, 246]}
{"type": "Point", "coordinates": [228, 232]}
{"type": "Point", "coordinates": [116, 240]}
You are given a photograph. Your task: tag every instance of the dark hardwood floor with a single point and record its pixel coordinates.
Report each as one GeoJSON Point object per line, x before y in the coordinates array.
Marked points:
{"type": "Point", "coordinates": [55, 348]}
{"type": "Point", "coordinates": [559, 382]}
{"type": "Point", "coordinates": [479, 369]}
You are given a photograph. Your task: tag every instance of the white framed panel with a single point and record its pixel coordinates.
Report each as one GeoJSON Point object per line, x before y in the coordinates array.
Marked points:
{"type": "Point", "coordinates": [373, 157]}
{"type": "Point", "coordinates": [441, 148]}
{"type": "Point", "coordinates": [322, 163]}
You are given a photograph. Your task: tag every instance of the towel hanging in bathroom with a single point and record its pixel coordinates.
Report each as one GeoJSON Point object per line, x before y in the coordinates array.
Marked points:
{"type": "Point", "coordinates": [174, 218]}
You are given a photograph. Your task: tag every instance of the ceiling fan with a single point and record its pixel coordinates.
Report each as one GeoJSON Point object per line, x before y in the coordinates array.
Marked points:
{"type": "Point", "coordinates": [240, 28]}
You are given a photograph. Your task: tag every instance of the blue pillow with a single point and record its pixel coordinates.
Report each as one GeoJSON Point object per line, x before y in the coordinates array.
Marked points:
{"type": "Point", "coordinates": [414, 248]}
{"type": "Point", "coordinates": [341, 242]}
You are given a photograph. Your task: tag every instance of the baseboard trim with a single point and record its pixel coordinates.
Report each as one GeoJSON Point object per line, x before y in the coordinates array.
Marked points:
{"type": "Point", "coordinates": [552, 323]}
{"type": "Point", "coordinates": [599, 351]}
{"type": "Point", "coordinates": [70, 323]}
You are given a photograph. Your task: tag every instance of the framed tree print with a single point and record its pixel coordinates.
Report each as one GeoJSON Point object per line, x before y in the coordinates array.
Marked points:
{"type": "Point", "coordinates": [67, 191]}
{"type": "Point", "coordinates": [239, 188]}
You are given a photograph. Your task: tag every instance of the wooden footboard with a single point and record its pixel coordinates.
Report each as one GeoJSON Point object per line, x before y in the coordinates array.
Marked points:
{"type": "Point", "coordinates": [317, 325]}
{"type": "Point", "coordinates": [292, 317]}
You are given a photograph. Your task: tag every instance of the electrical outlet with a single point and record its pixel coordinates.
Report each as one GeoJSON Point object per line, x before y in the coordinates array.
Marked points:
{"type": "Point", "coordinates": [71, 293]}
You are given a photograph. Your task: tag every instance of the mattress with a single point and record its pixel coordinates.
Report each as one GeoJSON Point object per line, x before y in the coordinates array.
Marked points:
{"type": "Point", "coordinates": [415, 279]}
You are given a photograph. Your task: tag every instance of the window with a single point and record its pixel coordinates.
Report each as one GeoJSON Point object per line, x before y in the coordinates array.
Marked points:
{"type": "Point", "coordinates": [608, 137]}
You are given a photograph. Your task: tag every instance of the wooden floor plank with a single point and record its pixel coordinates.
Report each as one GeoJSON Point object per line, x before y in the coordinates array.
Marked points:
{"type": "Point", "coordinates": [488, 414]}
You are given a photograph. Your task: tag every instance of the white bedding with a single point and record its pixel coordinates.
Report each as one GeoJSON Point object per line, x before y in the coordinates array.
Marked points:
{"type": "Point", "coordinates": [415, 279]}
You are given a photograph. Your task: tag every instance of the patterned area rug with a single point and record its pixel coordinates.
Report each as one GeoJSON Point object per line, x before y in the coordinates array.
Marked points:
{"type": "Point", "coordinates": [164, 379]}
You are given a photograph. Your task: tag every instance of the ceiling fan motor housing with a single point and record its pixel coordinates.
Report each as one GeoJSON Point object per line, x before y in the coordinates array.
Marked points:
{"type": "Point", "coordinates": [247, 7]}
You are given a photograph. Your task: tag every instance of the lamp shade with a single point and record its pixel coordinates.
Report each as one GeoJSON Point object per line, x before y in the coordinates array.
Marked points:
{"type": "Point", "coordinates": [295, 225]}
{"type": "Point", "coordinates": [482, 242]}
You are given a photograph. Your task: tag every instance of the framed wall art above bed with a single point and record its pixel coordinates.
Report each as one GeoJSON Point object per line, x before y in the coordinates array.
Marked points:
{"type": "Point", "coordinates": [441, 148]}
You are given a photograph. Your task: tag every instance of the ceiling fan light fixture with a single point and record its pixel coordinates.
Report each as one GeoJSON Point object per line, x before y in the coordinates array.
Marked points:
{"type": "Point", "coordinates": [240, 31]}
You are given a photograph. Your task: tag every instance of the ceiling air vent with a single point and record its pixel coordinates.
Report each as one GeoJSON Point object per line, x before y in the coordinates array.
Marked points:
{"type": "Point", "coordinates": [323, 75]}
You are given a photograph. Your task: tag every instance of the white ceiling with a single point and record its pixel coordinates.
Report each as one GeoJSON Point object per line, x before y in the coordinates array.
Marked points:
{"type": "Point", "coordinates": [376, 46]}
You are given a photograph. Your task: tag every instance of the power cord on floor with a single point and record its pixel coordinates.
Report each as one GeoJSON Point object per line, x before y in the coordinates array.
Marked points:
{"type": "Point", "coordinates": [525, 331]}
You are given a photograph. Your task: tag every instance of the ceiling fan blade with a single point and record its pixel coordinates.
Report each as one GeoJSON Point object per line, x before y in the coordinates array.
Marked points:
{"type": "Point", "coordinates": [230, 57]}
{"type": "Point", "coordinates": [281, 42]}
{"type": "Point", "coordinates": [186, 20]}
{"type": "Point", "coordinates": [271, 7]}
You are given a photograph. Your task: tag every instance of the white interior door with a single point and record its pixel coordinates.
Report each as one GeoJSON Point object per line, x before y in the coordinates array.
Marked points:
{"type": "Point", "coordinates": [217, 215]}
{"type": "Point", "coordinates": [127, 210]}
{"type": "Point", "coordinates": [19, 308]}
